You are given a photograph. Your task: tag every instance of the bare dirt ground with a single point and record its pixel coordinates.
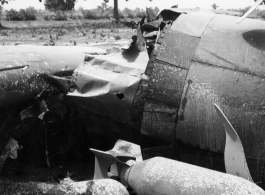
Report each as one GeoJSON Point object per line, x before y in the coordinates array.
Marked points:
{"type": "Point", "coordinates": [65, 158]}
{"type": "Point", "coordinates": [100, 33]}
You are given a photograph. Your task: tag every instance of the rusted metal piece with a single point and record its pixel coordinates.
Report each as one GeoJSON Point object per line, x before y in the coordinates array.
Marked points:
{"type": "Point", "coordinates": [17, 85]}
{"type": "Point", "coordinates": [235, 160]}
{"type": "Point", "coordinates": [159, 175]}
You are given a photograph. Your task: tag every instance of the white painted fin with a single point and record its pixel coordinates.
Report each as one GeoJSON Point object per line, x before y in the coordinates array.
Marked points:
{"type": "Point", "coordinates": [235, 160]}
{"type": "Point", "coordinates": [250, 11]}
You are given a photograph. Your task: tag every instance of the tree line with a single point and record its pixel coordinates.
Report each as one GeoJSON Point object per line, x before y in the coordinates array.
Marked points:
{"type": "Point", "coordinates": [103, 11]}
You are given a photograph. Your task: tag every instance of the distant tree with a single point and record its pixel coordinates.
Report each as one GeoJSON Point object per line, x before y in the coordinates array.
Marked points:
{"type": "Point", "coordinates": [214, 6]}
{"type": "Point", "coordinates": [62, 5]}
{"type": "Point", "coordinates": [262, 14]}
{"type": "Point", "coordinates": [116, 9]}
{"type": "Point", "coordinates": [127, 11]}
{"type": "Point", "coordinates": [104, 8]}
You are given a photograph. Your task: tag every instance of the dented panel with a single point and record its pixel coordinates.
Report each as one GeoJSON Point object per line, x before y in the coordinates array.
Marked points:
{"type": "Point", "coordinates": [104, 91]}
{"type": "Point", "coordinates": [106, 84]}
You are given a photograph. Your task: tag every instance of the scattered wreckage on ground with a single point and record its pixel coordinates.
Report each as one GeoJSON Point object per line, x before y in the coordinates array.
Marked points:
{"type": "Point", "coordinates": [167, 83]}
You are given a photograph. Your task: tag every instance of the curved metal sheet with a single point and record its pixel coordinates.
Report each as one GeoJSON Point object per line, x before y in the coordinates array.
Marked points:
{"type": "Point", "coordinates": [234, 46]}
{"type": "Point", "coordinates": [177, 48]}
{"type": "Point", "coordinates": [192, 24]}
{"type": "Point", "coordinates": [240, 96]}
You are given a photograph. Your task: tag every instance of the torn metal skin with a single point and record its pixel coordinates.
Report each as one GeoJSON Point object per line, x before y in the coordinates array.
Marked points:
{"type": "Point", "coordinates": [108, 83]}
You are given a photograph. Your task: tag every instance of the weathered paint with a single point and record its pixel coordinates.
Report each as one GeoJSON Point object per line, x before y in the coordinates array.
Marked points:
{"type": "Point", "coordinates": [166, 84]}
{"type": "Point", "coordinates": [159, 121]}
{"type": "Point", "coordinates": [239, 95]}
{"type": "Point", "coordinates": [161, 89]}
{"type": "Point", "coordinates": [158, 176]}
{"type": "Point", "coordinates": [238, 47]}
{"type": "Point", "coordinates": [192, 24]}
{"type": "Point", "coordinates": [176, 48]}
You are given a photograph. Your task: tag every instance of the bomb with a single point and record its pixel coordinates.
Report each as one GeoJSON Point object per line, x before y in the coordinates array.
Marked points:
{"type": "Point", "coordinates": [162, 176]}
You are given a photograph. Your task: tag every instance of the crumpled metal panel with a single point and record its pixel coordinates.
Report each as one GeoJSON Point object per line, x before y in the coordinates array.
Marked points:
{"type": "Point", "coordinates": [176, 48]}
{"type": "Point", "coordinates": [131, 63]}
{"type": "Point", "coordinates": [192, 24]}
{"type": "Point", "coordinates": [166, 84]}
{"type": "Point", "coordinates": [106, 84]}
{"type": "Point", "coordinates": [21, 84]}
{"type": "Point", "coordinates": [239, 95]}
{"type": "Point", "coordinates": [104, 92]}
{"type": "Point", "coordinates": [159, 121]}
{"type": "Point", "coordinates": [235, 46]}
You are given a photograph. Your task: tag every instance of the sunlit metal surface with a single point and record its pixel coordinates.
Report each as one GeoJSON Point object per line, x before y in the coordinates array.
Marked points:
{"type": "Point", "coordinates": [235, 160]}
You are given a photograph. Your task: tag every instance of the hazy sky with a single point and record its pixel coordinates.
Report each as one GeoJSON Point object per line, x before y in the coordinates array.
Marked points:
{"type": "Point", "coordinates": [161, 4]}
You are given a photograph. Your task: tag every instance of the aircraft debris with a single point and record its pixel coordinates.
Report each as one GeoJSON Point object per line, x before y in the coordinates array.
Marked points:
{"type": "Point", "coordinates": [159, 175]}
{"type": "Point", "coordinates": [10, 151]}
{"type": "Point", "coordinates": [235, 160]}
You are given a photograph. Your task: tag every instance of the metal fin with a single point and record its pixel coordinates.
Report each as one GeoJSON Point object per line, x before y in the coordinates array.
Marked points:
{"type": "Point", "coordinates": [103, 161]}
{"type": "Point", "coordinates": [235, 160]}
{"type": "Point", "coordinates": [124, 153]}
{"type": "Point", "coordinates": [124, 148]}
{"type": "Point", "coordinates": [250, 11]}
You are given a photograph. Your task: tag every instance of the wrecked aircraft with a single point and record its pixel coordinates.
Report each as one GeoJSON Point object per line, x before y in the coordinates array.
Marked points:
{"type": "Point", "coordinates": [163, 84]}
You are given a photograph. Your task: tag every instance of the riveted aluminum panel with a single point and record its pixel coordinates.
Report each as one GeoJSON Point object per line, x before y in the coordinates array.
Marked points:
{"type": "Point", "coordinates": [242, 98]}
{"type": "Point", "coordinates": [235, 46]}
{"type": "Point", "coordinates": [193, 24]}
{"type": "Point", "coordinates": [166, 84]}
{"type": "Point", "coordinates": [158, 121]}
{"type": "Point", "coordinates": [177, 48]}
